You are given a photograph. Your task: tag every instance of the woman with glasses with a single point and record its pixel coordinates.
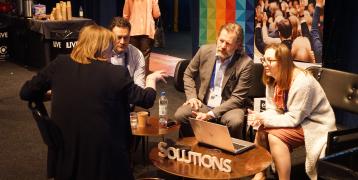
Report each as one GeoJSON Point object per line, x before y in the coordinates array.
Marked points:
{"type": "Point", "coordinates": [90, 106]}
{"type": "Point", "coordinates": [297, 113]}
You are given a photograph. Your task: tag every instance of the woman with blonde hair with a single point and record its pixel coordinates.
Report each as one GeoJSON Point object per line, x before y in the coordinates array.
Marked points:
{"type": "Point", "coordinates": [90, 107]}
{"type": "Point", "coordinates": [297, 113]}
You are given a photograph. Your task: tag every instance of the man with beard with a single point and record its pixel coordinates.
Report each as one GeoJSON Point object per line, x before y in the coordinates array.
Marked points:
{"type": "Point", "coordinates": [216, 83]}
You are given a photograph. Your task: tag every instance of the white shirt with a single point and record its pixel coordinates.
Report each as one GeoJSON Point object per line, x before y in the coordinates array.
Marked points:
{"type": "Point", "coordinates": [214, 98]}
{"type": "Point", "coordinates": [135, 64]}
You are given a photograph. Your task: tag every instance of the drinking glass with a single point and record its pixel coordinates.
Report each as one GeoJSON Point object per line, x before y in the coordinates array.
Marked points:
{"type": "Point", "coordinates": [134, 120]}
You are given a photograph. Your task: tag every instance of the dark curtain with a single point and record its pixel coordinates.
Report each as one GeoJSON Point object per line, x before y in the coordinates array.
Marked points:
{"type": "Point", "coordinates": [340, 35]}
{"type": "Point", "coordinates": [340, 45]}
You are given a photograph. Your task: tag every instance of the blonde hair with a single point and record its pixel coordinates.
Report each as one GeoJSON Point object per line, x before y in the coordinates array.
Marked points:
{"type": "Point", "coordinates": [285, 65]}
{"type": "Point", "coordinates": [93, 44]}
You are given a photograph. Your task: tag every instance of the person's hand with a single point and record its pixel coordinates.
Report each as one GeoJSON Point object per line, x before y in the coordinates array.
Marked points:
{"type": "Point", "coordinates": [201, 116]}
{"type": "Point", "coordinates": [264, 18]}
{"type": "Point", "coordinates": [266, 4]}
{"type": "Point", "coordinates": [254, 119]}
{"type": "Point", "coordinates": [284, 7]}
{"type": "Point", "coordinates": [290, 4]}
{"type": "Point", "coordinates": [157, 76]}
{"type": "Point", "coordinates": [258, 14]}
{"type": "Point", "coordinates": [194, 103]}
{"type": "Point", "coordinates": [48, 96]}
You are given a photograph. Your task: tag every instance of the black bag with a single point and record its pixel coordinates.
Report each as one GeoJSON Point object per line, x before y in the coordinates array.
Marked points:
{"type": "Point", "coordinates": [159, 39]}
{"type": "Point", "coordinates": [50, 133]}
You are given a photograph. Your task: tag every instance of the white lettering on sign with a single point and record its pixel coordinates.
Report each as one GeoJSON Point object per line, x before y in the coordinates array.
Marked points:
{"type": "Point", "coordinates": [3, 35]}
{"type": "Point", "coordinates": [194, 157]}
{"type": "Point", "coordinates": [71, 44]}
{"type": "Point", "coordinates": [56, 44]}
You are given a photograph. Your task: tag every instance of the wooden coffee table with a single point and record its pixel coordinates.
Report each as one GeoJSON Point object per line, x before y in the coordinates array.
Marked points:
{"type": "Point", "coordinates": [245, 164]}
{"type": "Point", "coordinates": [152, 129]}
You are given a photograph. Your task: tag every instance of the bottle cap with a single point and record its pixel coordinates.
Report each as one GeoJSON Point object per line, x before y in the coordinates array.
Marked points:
{"type": "Point", "coordinates": [162, 93]}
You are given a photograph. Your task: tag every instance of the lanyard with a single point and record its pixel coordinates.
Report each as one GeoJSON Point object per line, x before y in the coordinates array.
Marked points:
{"type": "Point", "coordinates": [212, 80]}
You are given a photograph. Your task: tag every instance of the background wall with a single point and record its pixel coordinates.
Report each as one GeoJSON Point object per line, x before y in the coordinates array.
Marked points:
{"type": "Point", "coordinates": [214, 13]}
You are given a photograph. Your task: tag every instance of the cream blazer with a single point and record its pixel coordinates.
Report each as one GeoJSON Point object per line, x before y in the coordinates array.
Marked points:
{"type": "Point", "coordinates": [141, 15]}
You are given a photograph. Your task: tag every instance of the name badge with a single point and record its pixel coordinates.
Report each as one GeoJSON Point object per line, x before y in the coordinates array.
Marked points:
{"type": "Point", "coordinates": [215, 98]}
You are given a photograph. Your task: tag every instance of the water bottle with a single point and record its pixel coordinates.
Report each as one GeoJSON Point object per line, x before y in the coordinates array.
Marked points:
{"type": "Point", "coordinates": [80, 12]}
{"type": "Point", "coordinates": [163, 110]}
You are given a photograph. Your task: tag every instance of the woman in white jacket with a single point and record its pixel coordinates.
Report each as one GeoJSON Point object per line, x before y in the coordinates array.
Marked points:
{"type": "Point", "coordinates": [297, 113]}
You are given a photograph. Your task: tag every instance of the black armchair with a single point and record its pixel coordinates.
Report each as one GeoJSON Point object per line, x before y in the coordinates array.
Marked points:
{"type": "Point", "coordinates": [256, 91]}
{"type": "Point", "coordinates": [341, 89]}
{"type": "Point", "coordinates": [179, 73]}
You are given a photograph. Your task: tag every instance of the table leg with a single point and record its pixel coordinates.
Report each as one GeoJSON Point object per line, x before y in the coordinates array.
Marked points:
{"type": "Point", "coordinates": [143, 149]}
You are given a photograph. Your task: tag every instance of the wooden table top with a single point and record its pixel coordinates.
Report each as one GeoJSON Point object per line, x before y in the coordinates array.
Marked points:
{"type": "Point", "coordinates": [248, 163]}
{"type": "Point", "coordinates": [153, 129]}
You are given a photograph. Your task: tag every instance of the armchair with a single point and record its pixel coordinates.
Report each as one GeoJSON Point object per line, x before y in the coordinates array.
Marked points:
{"type": "Point", "coordinates": [341, 89]}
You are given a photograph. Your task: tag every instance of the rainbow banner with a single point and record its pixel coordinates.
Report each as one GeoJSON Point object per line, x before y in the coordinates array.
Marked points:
{"type": "Point", "coordinates": [214, 13]}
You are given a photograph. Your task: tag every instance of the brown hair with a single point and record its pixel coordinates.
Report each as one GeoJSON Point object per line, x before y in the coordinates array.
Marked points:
{"type": "Point", "coordinates": [119, 22]}
{"type": "Point", "coordinates": [93, 44]}
{"type": "Point", "coordinates": [294, 23]}
{"type": "Point", "coordinates": [284, 27]}
{"type": "Point", "coordinates": [233, 27]}
{"type": "Point", "coordinates": [285, 65]}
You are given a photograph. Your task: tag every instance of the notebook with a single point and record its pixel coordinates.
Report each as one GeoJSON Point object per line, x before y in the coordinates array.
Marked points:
{"type": "Point", "coordinates": [218, 136]}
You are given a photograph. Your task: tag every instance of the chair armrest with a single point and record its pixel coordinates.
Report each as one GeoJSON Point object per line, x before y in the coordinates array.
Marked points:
{"type": "Point", "coordinates": [341, 140]}
{"type": "Point", "coordinates": [179, 73]}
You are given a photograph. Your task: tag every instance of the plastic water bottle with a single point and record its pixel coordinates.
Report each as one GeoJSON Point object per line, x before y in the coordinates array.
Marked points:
{"type": "Point", "coordinates": [80, 12]}
{"type": "Point", "coordinates": [163, 110]}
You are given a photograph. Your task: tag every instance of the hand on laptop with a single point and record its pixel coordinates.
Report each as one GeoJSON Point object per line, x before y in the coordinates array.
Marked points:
{"type": "Point", "coordinates": [194, 103]}
{"type": "Point", "coordinates": [201, 116]}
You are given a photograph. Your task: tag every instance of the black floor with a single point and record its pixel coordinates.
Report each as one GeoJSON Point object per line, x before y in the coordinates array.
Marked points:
{"type": "Point", "coordinates": [22, 152]}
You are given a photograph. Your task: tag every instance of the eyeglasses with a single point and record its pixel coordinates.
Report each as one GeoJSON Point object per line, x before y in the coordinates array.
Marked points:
{"type": "Point", "coordinates": [267, 60]}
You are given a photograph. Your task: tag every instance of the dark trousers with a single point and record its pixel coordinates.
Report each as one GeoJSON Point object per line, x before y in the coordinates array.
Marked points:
{"type": "Point", "coordinates": [144, 44]}
{"type": "Point", "coordinates": [233, 119]}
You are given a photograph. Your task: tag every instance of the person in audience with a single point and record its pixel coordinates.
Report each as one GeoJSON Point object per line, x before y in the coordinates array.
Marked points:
{"type": "Point", "coordinates": [141, 14]}
{"type": "Point", "coordinates": [297, 113]}
{"type": "Point", "coordinates": [316, 39]}
{"type": "Point", "coordinates": [302, 51]}
{"type": "Point", "coordinates": [223, 71]}
{"type": "Point", "coordinates": [126, 54]}
{"type": "Point", "coordinates": [284, 29]}
{"type": "Point", "coordinates": [294, 23]}
{"type": "Point", "coordinates": [90, 107]}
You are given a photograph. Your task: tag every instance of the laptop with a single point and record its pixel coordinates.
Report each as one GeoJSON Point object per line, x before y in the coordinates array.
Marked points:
{"type": "Point", "coordinates": [218, 136]}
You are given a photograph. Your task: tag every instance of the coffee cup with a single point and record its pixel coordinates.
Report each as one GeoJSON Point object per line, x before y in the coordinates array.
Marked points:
{"type": "Point", "coordinates": [142, 118]}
